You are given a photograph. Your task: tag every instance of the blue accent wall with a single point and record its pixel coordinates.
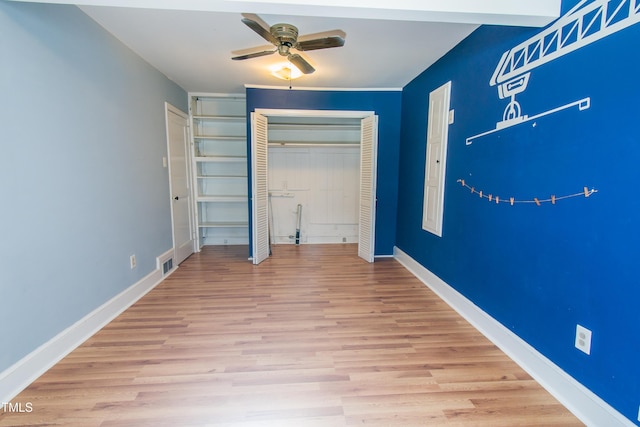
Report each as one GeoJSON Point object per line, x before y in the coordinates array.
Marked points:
{"type": "Point", "coordinates": [539, 270]}
{"type": "Point", "coordinates": [386, 104]}
{"type": "Point", "coordinates": [82, 137]}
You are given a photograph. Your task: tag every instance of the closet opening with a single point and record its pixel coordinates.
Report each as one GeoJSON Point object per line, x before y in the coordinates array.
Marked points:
{"type": "Point", "coordinates": [313, 179]}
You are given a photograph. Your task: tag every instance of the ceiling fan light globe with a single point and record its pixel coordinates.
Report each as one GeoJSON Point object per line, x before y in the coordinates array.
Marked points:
{"type": "Point", "coordinates": [286, 72]}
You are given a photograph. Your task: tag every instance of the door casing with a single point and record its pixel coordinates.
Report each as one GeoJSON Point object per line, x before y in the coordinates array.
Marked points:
{"type": "Point", "coordinates": [315, 113]}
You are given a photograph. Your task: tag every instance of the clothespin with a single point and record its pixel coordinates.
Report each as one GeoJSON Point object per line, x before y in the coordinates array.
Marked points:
{"type": "Point", "coordinates": [586, 192]}
{"type": "Point", "coordinates": [535, 199]}
{"type": "Point", "coordinates": [553, 200]}
{"type": "Point", "coordinates": [512, 200]}
{"type": "Point", "coordinates": [480, 194]}
{"type": "Point", "coordinates": [497, 200]}
{"type": "Point", "coordinates": [490, 197]}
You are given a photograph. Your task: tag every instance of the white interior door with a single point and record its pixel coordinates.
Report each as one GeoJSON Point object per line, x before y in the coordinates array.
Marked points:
{"type": "Point", "coordinates": [179, 183]}
{"type": "Point", "coordinates": [368, 161]}
{"type": "Point", "coordinates": [259, 188]}
{"type": "Point", "coordinates": [435, 164]}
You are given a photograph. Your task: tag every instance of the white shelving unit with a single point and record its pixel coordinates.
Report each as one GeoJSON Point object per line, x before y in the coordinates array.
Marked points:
{"type": "Point", "coordinates": [218, 124]}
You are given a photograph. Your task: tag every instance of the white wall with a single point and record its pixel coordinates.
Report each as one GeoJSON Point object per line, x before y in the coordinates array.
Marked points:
{"type": "Point", "coordinates": [325, 181]}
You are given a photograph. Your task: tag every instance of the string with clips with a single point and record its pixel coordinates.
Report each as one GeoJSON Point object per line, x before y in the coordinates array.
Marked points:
{"type": "Point", "coordinates": [586, 192]}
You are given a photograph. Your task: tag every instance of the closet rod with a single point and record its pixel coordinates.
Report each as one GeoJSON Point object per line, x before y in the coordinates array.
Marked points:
{"type": "Point", "coordinates": [310, 144]}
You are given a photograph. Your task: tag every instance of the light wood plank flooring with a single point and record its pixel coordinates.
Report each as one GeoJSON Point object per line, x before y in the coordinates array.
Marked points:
{"type": "Point", "coordinates": [314, 336]}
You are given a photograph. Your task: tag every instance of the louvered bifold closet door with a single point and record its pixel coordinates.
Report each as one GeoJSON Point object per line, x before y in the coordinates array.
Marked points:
{"type": "Point", "coordinates": [260, 189]}
{"type": "Point", "coordinates": [367, 220]}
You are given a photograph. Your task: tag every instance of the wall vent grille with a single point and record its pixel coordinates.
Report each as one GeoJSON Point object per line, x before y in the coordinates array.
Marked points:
{"type": "Point", "coordinates": [167, 266]}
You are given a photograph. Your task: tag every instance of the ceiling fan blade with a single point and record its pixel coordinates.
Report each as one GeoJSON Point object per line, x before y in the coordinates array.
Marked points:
{"type": "Point", "coordinates": [253, 49]}
{"type": "Point", "coordinates": [324, 40]}
{"type": "Point", "coordinates": [301, 63]}
{"type": "Point", "coordinates": [253, 55]}
{"type": "Point", "coordinates": [259, 26]}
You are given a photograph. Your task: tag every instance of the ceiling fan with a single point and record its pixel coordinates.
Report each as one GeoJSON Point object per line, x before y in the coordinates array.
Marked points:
{"type": "Point", "coordinates": [285, 38]}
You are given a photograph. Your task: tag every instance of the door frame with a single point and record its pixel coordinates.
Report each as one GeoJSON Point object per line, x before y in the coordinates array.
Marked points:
{"type": "Point", "coordinates": [189, 179]}
{"type": "Point", "coordinates": [277, 112]}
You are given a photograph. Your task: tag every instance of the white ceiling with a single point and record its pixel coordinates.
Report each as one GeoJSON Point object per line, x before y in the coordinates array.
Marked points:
{"type": "Point", "coordinates": [190, 41]}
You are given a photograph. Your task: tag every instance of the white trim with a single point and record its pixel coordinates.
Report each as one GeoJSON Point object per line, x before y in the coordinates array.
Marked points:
{"type": "Point", "coordinates": [217, 95]}
{"type": "Point", "coordinates": [583, 403]}
{"type": "Point", "coordinates": [496, 12]}
{"type": "Point", "coordinates": [22, 373]}
{"type": "Point", "coordinates": [328, 89]}
{"type": "Point", "coordinates": [356, 114]}
{"type": "Point", "coordinates": [284, 112]}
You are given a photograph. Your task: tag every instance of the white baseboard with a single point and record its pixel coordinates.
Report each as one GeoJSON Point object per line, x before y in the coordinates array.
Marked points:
{"type": "Point", "coordinates": [583, 403]}
{"type": "Point", "coordinates": [18, 376]}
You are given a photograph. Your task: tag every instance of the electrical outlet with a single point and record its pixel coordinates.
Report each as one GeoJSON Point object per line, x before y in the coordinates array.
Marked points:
{"type": "Point", "coordinates": [583, 339]}
{"type": "Point", "coordinates": [132, 261]}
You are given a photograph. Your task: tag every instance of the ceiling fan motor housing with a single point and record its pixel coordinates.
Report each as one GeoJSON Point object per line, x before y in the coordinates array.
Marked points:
{"type": "Point", "coordinates": [287, 34]}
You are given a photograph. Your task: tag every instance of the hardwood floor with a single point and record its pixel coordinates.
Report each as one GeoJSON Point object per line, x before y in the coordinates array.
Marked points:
{"type": "Point", "coordinates": [314, 336]}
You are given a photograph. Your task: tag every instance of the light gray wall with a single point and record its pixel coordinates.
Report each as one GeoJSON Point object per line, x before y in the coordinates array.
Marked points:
{"type": "Point", "coordinates": [82, 136]}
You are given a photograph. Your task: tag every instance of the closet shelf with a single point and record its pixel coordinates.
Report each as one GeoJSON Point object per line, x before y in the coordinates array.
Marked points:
{"type": "Point", "coordinates": [222, 118]}
{"type": "Point", "coordinates": [221, 159]}
{"type": "Point", "coordinates": [222, 224]}
{"type": "Point", "coordinates": [222, 176]}
{"type": "Point", "coordinates": [320, 127]}
{"type": "Point", "coordinates": [233, 199]}
{"type": "Point", "coordinates": [313, 144]}
{"type": "Point", "coordinates": [220, 138]}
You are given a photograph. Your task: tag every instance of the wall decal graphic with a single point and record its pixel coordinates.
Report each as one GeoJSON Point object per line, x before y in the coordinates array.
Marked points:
{"type": "Point", "coordinates": [587, 22]}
